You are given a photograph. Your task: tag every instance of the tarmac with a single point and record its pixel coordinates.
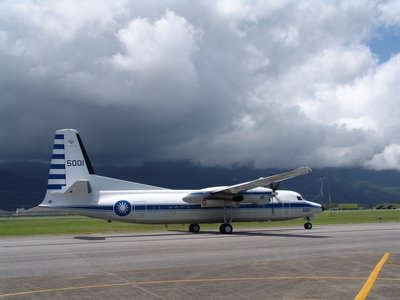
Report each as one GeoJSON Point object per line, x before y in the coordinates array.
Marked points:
{"type": "Point", "coordinates": [327, 262]}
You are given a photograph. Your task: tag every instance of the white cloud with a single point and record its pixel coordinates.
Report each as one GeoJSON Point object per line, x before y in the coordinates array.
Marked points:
{"type": "Point", "coordinates": [367, 100]}
{"type": "Point", "coordinates": [233, 9]}
{"type": "Point", "coordinates": [389, 158]}
{"type": "Point", "coordinates": [390, 12]}
{"type": "Point", "coordinates": [169, 42]}
{"type": "Point", "coordinates": [36, 28]}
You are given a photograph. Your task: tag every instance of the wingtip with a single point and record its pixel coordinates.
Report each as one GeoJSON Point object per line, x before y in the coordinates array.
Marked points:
{"type": "Point", "coordinates": [304, 170]}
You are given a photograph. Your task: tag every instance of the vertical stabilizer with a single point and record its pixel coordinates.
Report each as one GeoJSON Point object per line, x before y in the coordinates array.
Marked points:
{"type": "Point", "coordinates": [69, 161]}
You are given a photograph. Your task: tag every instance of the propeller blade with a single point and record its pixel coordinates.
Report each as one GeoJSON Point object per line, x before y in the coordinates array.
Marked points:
{"type": "Point", "coordinates": [274, 186]}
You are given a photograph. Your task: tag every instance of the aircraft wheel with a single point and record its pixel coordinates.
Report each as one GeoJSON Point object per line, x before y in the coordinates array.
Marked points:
{"type": "Point", "coordinates": [226, 228]}
{"type": "Point", "coordinates": [308, 225]}
{"type": "Point", "coordinates": [194, 228]}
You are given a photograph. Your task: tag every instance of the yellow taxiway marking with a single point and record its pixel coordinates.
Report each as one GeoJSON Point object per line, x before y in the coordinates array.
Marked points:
{"type": "Point", "coordinates": [372, 277]}
{"type": "Point", "coordinates": [180, 281]}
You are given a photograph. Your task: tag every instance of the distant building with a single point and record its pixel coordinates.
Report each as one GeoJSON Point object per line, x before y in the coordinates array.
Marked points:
{"type": "Point", "coordinates": [38, 211]}
{"type": "Point", "coordinates": [6, 213]}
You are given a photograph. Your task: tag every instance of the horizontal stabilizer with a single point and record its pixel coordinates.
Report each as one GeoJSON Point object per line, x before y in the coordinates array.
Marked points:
{"type": "Point", "coordinates": [79, 187]}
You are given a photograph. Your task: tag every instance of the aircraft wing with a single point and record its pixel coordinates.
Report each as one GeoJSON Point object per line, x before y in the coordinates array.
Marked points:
{"type": "Point", "coordinates": [263, 181]}
{"type": "Point", "coordinates": [228, 195]}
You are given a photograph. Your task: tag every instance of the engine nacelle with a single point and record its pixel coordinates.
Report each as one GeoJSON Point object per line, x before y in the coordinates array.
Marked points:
{"type": "Point", "coordinates": [225, 197]}
{"type": "Point", "coordinates": [206, 199]}
{"type": "Point", "coordinates": [218, 203]}
{"type": "Point", "coordinates": [196, 198]}
{"type": "Point", "coordinates": [238, 198]}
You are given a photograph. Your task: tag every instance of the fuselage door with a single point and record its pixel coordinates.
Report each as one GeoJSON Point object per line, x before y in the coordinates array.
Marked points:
{"type": "Point", "coordinates": [140, 210]}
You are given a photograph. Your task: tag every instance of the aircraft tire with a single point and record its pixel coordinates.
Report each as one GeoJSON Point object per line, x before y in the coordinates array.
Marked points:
{"type": "Point", "coordinates": [195, 228]}
{"type": "Point", "coordinates": [226, 228]}
{"type": "Point", "coordinates": [308, 225]}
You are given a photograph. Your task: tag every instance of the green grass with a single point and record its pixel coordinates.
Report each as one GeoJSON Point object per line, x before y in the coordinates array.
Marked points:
{"type": "Point", "coordinates": [357, 216]}
{"type": "Point", "coordinates": [64, 225]}
{"type": "Point", "coordinates": [23, 226]}
{"type": "Point", "coordinates": [348, 206]}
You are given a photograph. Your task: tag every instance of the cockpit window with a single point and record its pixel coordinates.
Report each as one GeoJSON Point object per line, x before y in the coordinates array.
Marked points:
{"type": "Point", "coordinates": [299, 198]}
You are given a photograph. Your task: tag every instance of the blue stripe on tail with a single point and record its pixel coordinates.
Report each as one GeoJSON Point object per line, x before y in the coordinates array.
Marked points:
{"type": "Point", "coordinates": [57, 181]}
{"type": "Point", "coordinates": [57, 176]}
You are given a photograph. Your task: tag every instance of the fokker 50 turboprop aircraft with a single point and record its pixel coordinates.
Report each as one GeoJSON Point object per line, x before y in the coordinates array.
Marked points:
{"type": "Point", "coordinates": [74, 187]}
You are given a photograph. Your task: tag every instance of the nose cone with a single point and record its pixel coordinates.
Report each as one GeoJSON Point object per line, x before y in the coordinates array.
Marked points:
{"type": "Point", "coordinates": [316, 207]}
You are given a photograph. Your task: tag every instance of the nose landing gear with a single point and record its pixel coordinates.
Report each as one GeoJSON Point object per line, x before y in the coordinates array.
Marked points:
{"type": "Point", "coordinates": [308, 224]}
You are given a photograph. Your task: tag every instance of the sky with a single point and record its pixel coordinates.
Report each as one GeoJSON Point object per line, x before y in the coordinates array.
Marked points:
{"type": "Point", "coordinates": [262, 83]}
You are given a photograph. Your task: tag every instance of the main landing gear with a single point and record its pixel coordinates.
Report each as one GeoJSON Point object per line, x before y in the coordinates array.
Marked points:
{"type": "Point", "coordinates": [225, 228]}
{"type": "Point", "coordinates": [194, 228]}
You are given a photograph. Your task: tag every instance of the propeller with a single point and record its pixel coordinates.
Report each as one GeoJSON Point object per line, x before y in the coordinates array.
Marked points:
{"type": "Point", "coordinates": [274, 186]}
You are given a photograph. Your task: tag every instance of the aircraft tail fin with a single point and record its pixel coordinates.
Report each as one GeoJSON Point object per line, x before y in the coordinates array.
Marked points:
{"type": "Point", "coordinates": [69, 161]}
{"type": "Point", "coordinates": [72, 174]}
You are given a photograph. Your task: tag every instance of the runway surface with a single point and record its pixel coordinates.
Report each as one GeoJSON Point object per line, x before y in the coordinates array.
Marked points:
{"type": "Point", "coordinates": [327, 262]}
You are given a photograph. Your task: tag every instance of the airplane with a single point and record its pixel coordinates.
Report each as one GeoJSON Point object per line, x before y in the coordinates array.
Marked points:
{"type": "Point", "coordinates": [74, 187]}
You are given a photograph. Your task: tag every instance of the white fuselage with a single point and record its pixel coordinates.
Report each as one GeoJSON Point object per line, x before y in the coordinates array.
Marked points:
{"type": "Point", "coordinates": [167, 207]}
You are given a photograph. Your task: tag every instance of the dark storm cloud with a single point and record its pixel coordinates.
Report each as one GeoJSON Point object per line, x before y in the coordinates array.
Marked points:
{"type": "Point", "coordinates": [215, 82]}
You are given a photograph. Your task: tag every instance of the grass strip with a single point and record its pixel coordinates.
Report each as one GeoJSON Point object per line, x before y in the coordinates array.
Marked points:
{"type": "Point", "coordinates": [25, 226]}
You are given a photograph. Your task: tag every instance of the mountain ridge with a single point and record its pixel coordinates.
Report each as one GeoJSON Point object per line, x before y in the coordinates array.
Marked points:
{"type": "Point", "coordinates": [24, 184]}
